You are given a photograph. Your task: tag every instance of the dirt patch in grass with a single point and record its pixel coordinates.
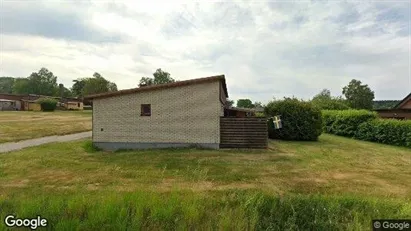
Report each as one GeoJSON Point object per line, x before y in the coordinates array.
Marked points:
{"type": "Point", "coordinates": [313, 180]}
{"type": "Point", "coordinates": [343, 176]}
{"type": "Point", "coordinates": [93, 187]}
{"type": "Point", "coordinates": [389, 187]}
{"type": "Point", "coordinates": [16, 184]}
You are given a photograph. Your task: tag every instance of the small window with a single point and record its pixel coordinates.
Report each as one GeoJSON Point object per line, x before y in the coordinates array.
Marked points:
{"type": "Point", "coordinates": [145, 109]}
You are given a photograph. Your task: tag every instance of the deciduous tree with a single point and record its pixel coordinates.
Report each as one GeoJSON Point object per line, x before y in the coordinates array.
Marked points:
{"type": "Point", "coordinates": [159, 77]}
{"type": "Point", "coordinates": [6, 85]}
{"type": "Point", "coordinates": [63, 91]}
{"type": "Point", "coordinates": [146, 81]}
{"type": "Point", "coordinates": [97, 84]}
{"type": "Point", "coordinates": [358, 95]}
{"type": "Point", "coordinates": [258, 104]}
{"type": "Point", "coordinates": [77, 88]}
{"type": "Point", "coordinates": [245, 103]}
{"type": "Point", "coordinates": [21, 86]}
{"type": "Point", "coordinates": [43, 82]}
{"type": "Point", "coordinates": [229, 103]}
{"type": "Point", "coordinates": [325, 101]}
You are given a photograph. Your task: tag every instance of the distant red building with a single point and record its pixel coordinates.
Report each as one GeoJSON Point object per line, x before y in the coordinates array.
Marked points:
{"type": "Point", "coordinates": [400, 111]}
{"type": "Point", "coordinates": [27, 102]}
{"type": "Point", "coordinates": [241, 112]}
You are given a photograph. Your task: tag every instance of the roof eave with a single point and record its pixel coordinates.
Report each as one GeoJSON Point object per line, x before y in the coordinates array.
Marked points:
{"type": "Point", "coordinates": [402, 102]}
{"type": "Point", "coordinates": [159, 86]}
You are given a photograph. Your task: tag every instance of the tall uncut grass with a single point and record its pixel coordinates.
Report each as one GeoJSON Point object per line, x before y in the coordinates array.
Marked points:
{"type": "Point", "coordinates": [228, 210]}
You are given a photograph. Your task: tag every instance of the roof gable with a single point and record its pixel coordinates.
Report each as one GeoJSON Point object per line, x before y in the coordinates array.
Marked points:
{"type": "Point", "coordinates": [403, 102]}
{"type": "Point", "coordinates": [220, 78]}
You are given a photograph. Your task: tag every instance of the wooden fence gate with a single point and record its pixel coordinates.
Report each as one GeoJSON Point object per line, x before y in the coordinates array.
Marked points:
{"type": "Point", "coordinates": [247, 132]}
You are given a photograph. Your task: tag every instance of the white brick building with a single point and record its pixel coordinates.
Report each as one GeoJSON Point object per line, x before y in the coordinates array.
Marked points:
{"type": "Point", "coordinates": [180, 114]}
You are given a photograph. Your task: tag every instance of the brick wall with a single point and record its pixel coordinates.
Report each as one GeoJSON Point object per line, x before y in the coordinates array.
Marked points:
{"type": "Point", "coordinates": [187, 114]}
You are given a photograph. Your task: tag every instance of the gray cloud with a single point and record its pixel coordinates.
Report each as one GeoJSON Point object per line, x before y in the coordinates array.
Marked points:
{"type": "Point", "coordinates": [227, 16]}
{"type": "Point", "coordinates": [351, 15]}
{"type": "Point", "coordinates": [179, 24]}
{"type": "Point", "coordinates": [266, 50]}
{"type": "Point", "coordinates": [281, 5]}
{"type": "Point", "coordinates": [399, 15]}
{"type": "Point", "coordinates": [33, 19]}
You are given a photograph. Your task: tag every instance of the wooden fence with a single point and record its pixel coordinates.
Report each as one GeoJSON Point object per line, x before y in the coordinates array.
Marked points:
{"type": "Point", "coordinates": [247, 132]}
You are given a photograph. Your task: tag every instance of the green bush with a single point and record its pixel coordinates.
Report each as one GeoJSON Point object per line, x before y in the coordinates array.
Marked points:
{"type": "Point", "coordinates": [332, 104]}
{"type": "Point", "coordinates": [259, 114]}
{"type": "Point", "coordinates": [346, 122]}
{"type": "Point", "coordinates": [365, 125]}
{"type": "Point", "coordinates": [47, 104]}
{"type": "Point", "coordinates": [386, 131]}
{"type": "Point", "coordinates": [300, 120]}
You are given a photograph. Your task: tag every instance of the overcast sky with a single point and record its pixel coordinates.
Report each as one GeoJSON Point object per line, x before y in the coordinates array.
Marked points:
{"type": "Point", "coordinates": [265, 49]}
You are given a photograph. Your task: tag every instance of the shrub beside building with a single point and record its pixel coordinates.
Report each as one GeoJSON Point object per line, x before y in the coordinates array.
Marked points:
{"type": "Point", "coordinates": [300, 120]}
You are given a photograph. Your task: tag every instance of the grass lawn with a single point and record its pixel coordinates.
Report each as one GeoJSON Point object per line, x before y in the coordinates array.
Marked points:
{"type": "Point", "coordinates": [334, 184]}
{"type": "Point", "coordinates": [22, 125]}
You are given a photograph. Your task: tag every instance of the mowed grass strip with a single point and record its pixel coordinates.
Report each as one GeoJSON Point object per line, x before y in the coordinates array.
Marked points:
{"type": "Point", "coordinates": [332, 166]}
{"type": "Point", "coordinates": [22, 125]}
{"type": "Point", "coordinates": [334, 184]}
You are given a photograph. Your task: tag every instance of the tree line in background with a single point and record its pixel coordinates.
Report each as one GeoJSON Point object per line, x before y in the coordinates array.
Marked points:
{"type": "Point", "coordinates": [385, 104]}
{"type": "Point", "coordinates": [244, 103]}
{"type": "Point", "coordinates": [357, 96]}
{"type": "Point", "coordinates": [89, 86]}
{"type": "Point", "coordinates": [44, 82]}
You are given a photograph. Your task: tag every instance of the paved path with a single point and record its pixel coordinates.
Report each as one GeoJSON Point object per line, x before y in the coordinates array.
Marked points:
{"type": "Point", "coordinates": [7, 147]}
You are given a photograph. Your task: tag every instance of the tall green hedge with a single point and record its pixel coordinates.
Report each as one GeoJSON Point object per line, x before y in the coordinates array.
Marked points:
{"type": "Point", "coordinates": [365, 125]}
{"type": "Point", "coordinates": [345, 122]}
{"type": "Point", "coordinates": [300, 120]}
{"type": "Point", "coordinates": [386, 131]}
{"type": "Point", "coordinates": [47, 104]}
